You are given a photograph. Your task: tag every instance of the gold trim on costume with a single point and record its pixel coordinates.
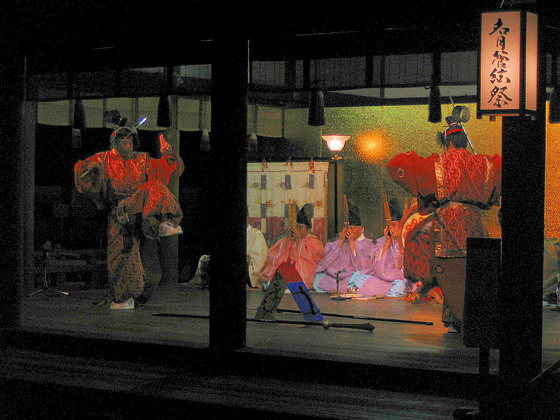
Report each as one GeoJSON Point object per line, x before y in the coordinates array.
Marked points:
{"type": "Point", "coordinates": [440, 180]}
{"type": "Point", "coordinates": [489, 167]}
{"type": "Point", "coordinates": [410, 224]}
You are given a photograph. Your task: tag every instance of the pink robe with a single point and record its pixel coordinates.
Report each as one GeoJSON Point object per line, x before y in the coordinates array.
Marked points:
{"type": "Point", "coordinates": [386, 273]}
{"type": "Point", "coordinates": [339, 259]}
{"type": "Point", "coordinates": [306, 255]}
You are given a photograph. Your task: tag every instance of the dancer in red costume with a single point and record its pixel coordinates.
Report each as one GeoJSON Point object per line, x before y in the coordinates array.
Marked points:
{"type": "Point", "coordinates": [132, 187]}
{"type": "Point", "coordinates": [301, 247]}
{"type": "Point", "coordinates": [453, 188]}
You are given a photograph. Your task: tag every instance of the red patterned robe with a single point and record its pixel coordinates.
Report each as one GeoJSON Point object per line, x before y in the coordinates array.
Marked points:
{"type": "Point", "coordinates": [127, 188]}
{"type": "Point", "coordinates": [452, 189]}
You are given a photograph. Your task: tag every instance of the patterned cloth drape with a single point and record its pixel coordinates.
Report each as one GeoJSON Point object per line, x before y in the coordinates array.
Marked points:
{"type": "Point", "coordinates": [271, 186]}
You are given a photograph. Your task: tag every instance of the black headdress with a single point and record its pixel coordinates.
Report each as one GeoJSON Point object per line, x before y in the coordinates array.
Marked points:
{"type": "Point", "coordinates": [455, 133]}
{"type": "Point", "coordinates": [396, 209]}
{"type": "Point", "coordinates": [354, 215]}
{"type": "Point", "coordinates": [114, 117]}
{"type": "Point", "coordinates": [305, 215]}
{"type": "Point", "coordinates": [121, 131]}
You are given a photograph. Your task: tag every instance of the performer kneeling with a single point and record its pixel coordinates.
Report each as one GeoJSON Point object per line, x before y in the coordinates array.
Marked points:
{"type": "Point", "coordinates": [359, 263]}
{"type": "Point", "coordinates": [453, 188]}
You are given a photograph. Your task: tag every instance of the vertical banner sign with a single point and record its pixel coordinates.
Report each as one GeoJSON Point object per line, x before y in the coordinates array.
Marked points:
{"type": "Point", "coordinates": [508, 63]}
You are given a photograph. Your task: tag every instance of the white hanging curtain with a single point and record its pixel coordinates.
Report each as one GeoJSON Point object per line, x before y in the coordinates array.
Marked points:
{"type": "Point", "coordinates": [271, 186]}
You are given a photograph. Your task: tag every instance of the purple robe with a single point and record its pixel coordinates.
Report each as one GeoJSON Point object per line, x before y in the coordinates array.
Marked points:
{"type": "Point", "coordinates": [341, 260]}
{"type": "Point", "coordinates": [386, 272]}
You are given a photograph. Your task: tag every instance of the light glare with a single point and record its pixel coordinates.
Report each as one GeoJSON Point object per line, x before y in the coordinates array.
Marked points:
{"type": "Point", "coordinates": [336, 142]}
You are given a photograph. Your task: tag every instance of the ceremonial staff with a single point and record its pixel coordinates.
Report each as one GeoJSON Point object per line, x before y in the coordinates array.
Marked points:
{"type": "Point", "coordinates": [388, 220]}
{"type": "Point", "coordinates": [347, 223]}
{"type": "Point", "coordinates": [292, 216]}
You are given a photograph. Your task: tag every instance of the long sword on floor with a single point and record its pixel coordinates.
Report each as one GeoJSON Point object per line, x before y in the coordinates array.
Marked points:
{"type": "Point", "coordinates": [368, 318]}
{"type": "Point", "coordinates": [362, 318]}
{"type": "Point", "coordinates": [325, 324]}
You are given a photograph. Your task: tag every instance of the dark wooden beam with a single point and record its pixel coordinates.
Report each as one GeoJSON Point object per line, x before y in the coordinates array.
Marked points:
{"type": "Point", "coordinates": [17, 162]}
{"type": "Point", "coordinates": [522, 215]}
{"type": "Point", "coordinates": [228, 183]}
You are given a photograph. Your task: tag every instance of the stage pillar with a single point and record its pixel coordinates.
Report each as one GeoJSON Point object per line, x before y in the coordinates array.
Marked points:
{"type": "Point", "coordinates": [228, 188]}
{"type": "Point", "coordinates": [169, 247]}
{"type": "Point", "coordinates": [523, 199]}
{"type": "Point", "coordinates": [484, 294]}
{"type": "Point", "coordinates": [17, 167]}
{"type": "Point", "coordinates": [523, 149]}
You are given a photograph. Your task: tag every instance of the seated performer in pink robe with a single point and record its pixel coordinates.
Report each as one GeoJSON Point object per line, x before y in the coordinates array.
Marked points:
{"type": "Point", "coordinates": [359, 263]}
{"type": "Point", "coordinates": [301, 247]}
{"type": "Point", "coordinates": [131, 186]}
{"type": "Point", "coordinates": [388, 279]}
{"type": "Point", "coordinates": [351, 255]}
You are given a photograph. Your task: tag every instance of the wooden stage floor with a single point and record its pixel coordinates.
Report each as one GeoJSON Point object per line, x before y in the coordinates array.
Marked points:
{"type": "Point", "coordinates": [423, 343]}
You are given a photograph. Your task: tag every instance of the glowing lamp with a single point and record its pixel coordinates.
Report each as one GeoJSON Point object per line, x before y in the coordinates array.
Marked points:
{"type": "Point", "coordinates": [508, 64]}
{"type": "Point", "coordinates": [336, 143]}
